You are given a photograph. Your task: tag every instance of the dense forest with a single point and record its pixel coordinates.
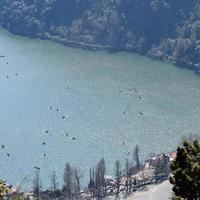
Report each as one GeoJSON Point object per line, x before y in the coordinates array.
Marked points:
{"type": "Point", "coordinates": [164, 29]}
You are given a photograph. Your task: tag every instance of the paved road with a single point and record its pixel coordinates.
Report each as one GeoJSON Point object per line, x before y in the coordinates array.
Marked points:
{"type": "Point", "coordinates": [154, 192]}
{"type": "Point", "coordinates": [158, 192]}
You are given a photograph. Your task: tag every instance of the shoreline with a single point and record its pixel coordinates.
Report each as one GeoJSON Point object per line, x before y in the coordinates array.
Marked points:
{"type": "Point", "coordinates": [46, 36]}
{"type": "Point", "coordinates": [147, 181]}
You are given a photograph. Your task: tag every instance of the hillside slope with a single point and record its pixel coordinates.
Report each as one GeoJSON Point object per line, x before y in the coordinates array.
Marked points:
{"type": "Point", "coordinates": [164, 29]}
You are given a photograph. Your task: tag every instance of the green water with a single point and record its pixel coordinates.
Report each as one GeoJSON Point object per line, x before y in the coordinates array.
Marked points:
{"type": "Point", "coordinates": [112, 102]}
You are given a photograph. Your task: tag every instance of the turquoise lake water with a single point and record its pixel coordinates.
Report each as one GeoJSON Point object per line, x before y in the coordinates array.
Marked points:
{"type": "Point", "coordinates": [111, 102]}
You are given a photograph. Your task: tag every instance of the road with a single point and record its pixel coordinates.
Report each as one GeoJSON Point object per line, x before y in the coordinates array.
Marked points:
{"type": "Point", "coordinates": [158, 192]}
{"type": "Point", "coordinates": [154, 192]}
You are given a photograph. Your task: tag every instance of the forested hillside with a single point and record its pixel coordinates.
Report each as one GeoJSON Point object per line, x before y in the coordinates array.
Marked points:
{"type": "Point", "coordinates": [165, 29]}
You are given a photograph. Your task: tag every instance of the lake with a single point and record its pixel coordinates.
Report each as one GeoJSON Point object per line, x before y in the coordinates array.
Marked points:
{"type": "Point", "coordinates": [106, 102]}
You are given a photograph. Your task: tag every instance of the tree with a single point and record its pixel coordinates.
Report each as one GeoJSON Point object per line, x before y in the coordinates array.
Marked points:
{"type": "Point", "coordinates": [54, 183]}
{"type": "Point", "coordinates": [77, 177]}
{"type": "Point", "coordinates": [136, 157]}
{"type": "Point", "coordinates": [3, 189]}
{"type": "Point", "coordinates": [37, 184]}
{"type": "Point", "coordinates": [102, 171]}
{"type": "Point", "coordinates": [162, 167]}
{"type": "Point", "coordinates": [118, 176]}
{"type": "Point", "coordinates": [18, 196]}
{"type": "Point", "coordinates": [91, 185]}
{"type": "Point", "coordinates": [97, 184]}
{"type": "Point", "coordinates": [68, 181]}
{"type": "Point", "coordinates": [128, 176]}
{"type": "Point", "coordinates": [114, 30]}
{"type": "Point", "coordinates": [186, 171]}
{"type": "Point", "coordinates": [72, 176]}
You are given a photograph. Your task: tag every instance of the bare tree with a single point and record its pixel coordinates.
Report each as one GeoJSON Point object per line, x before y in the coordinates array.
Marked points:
{"type": "Point", "coordinates": [93, 177]}
{"type": "Point", "coordinates": [118, 176]}
{"type": "Point", "coordinates": [54, 183]}
{"type": "Point", "coordinates": [102, 171]}
{"type": "Point", "coordinates": [127, 175]}
{"type": "Point", "coordinates": [37, 185]}
{"type": "Point", "coordinates": [68, 181]}
{"type": "Point", "coordinates": [91, 185]}
{"type": "Point", "coordinates": [97, 184]}
{"type": "Point", "coordinates": [77, 176]}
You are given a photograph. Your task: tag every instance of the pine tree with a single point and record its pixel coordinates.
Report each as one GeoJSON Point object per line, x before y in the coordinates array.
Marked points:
{"type": "Point", "coordinates": [186, 171]}
{"type": "Point", "coordinates": [3, 189]}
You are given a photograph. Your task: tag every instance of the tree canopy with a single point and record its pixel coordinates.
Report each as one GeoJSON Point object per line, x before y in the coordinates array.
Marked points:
{"type": "Point", "coordinates": [3, 189]}
{"type": "Point", "coordinates": [186, 171]}
{"type": "Point", "coordinates": [166, 29]}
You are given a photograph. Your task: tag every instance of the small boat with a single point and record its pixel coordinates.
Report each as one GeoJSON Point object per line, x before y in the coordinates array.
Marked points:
{"type": "Point", "coordinates": [38, 168]}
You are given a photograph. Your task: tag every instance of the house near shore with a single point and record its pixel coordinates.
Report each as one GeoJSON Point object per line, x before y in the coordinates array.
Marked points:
{"type": "Point", "coordinates": [172, 155]}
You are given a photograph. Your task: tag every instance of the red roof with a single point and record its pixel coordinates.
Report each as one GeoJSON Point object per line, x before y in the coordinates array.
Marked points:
{"type": "Point", "coordinates": [172, 155]}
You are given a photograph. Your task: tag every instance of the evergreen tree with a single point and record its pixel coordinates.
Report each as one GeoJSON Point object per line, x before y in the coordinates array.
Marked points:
{"type": "Point", "coordinates": [3, 189]}
{"type": "Point", "coordinates": [186, 171]}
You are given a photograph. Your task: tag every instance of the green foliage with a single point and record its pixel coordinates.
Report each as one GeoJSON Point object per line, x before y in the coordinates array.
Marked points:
{"type": "Point", "coordinates": [3, 189]}
{"type": "Point", "coordinates": [176, 198]}
{"type": "Point", "coordinates": [17, 196]}
{"type": "Point", "coordinates": [186, 171]}
{"type": "Point", "coordinates": [165, 29]}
